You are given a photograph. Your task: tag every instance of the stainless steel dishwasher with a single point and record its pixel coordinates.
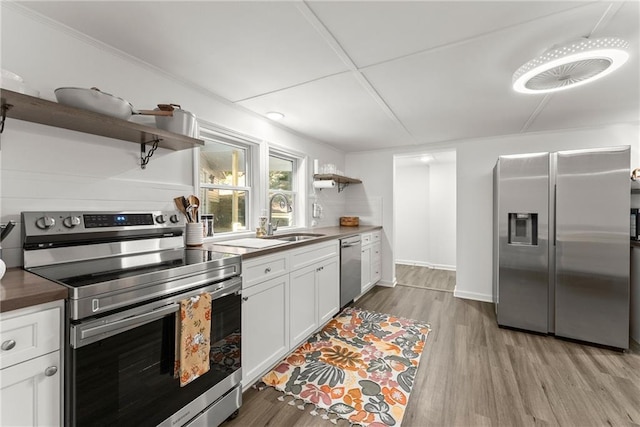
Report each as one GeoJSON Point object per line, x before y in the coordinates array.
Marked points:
{"type": "Point", "coordinates": [350, 258]}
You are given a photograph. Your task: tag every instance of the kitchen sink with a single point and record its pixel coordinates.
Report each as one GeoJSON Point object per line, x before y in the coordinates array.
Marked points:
{"type": "Point", "coordinates": [296, 237]}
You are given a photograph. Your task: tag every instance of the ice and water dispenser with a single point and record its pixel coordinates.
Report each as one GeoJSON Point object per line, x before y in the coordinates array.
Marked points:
{"type": "Point", "coordinates": [523, 229]}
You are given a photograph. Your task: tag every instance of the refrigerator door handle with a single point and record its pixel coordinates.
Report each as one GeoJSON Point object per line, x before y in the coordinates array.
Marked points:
{"type": "Point", "coordinates": [555, 200]}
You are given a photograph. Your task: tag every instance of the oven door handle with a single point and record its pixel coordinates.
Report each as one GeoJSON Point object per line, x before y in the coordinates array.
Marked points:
{"type": "Point", "coordinates": [80, 334]}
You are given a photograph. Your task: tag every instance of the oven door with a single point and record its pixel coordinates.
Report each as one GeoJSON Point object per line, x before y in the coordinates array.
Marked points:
{"type": "Point", "coordinates": [120, 367]}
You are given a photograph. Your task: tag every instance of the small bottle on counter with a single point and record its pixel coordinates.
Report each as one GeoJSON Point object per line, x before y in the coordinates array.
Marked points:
{"type": "Point", "coordinates": [261, 229]}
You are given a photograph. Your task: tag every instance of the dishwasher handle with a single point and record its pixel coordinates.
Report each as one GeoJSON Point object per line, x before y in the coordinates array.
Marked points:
{"type": "Point", "coordinates": [347, 245]}
{"type": "Point", "coordinates": [350, 242]}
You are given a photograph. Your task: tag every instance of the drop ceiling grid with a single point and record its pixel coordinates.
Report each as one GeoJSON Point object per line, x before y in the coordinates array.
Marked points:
{"type": "Point", "coordinates": [335, 108]}
{"type": "Point", "coordinates": [235, 49]}
{"type": "Point", "coordinates": [464, 90]}
{"type": "Point", "coordinates": [407, 71]}
{"type": "Point", "coordinates": [374, 32]}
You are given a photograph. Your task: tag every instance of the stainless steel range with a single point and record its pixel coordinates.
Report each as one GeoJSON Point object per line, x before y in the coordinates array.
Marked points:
{"type": "Point", "coordinates": [127, 273]}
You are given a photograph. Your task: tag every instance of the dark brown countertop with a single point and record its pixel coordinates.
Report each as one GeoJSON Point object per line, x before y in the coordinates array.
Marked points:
{"type": "Point", "coordinates": [330, 233]}
{"type": "Point", "coordinates": [19, 289]}
{"type": "Point", "coordinates": [635, 243]}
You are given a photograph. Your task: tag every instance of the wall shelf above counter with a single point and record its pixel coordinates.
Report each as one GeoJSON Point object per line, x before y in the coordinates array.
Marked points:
{"type": "Point", "coordinates": [342, 181]}
{"type": "Point", "coordinates": [37, 110]}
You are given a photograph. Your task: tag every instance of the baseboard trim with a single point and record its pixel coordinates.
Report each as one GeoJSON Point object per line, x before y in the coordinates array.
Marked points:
{"type": "Point", "coordinates": [473, 296]}
{"type": "Point", "coordinates": [426, 264]}
{"type": "Point", "coordinates": [387, 284]}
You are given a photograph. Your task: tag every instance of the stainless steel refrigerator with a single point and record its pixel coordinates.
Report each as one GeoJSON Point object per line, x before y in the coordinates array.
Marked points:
{"type": "Point", "coordinates": [561, 244]}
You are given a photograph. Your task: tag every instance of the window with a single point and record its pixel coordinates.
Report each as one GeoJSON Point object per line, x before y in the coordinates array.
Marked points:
{"type": "Point", "coordinates": [283, 188]}
{"type": "Point", "coordinates": [225, 187]}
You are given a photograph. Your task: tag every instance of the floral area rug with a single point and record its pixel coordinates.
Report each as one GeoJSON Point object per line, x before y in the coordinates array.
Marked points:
{"type": "Point", "coordinates": [361, 367]}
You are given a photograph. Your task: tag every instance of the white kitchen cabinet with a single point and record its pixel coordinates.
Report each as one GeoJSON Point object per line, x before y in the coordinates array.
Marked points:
{"type": "Point", "coordinates": [315, 288]}
{"type": "Point", "coordinates": [30, 392]}
{"type": "Point", "coordinates": [31, 374]}
{"type": "Point", "coordinates": [265, 326]}
{"type": "Point", "coordinates": [287, 296]}
{"type": "Point", "coordinates": [328, 288]}
{"type": "Point", "coordinates": [263, 268]}
{"type": "Point", "coordinates": [303, 299]}
{"type": "Point", "coordinates": [365, 268]}
{"type": "Point", "coordinates": [371, 271]}
{"type": "Point", "coordinates": [376, 262]}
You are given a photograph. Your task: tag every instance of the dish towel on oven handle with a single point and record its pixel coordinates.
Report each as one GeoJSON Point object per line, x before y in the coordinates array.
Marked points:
{"type": "Point", "coordinates": [193, 338]}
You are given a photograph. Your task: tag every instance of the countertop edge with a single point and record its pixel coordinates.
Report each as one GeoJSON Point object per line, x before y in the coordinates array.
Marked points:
{"type": "Point", "coordinates": [330, 233]}
{"type": "Point", "coordinates": [20, 289]}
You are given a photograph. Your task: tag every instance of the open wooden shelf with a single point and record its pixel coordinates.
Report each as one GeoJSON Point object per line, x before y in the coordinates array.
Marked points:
{"type": "Point", "coordinates": [29, 108]}
{"type": "Point", "coordinates": [337, 178]}
{"type": "Point", "coordinates": [342, 181]}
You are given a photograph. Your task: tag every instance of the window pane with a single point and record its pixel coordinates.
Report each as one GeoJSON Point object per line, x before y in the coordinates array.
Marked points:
{"type": "Point", "coordinates": [227, 206]}
{"type": "Point", "coordinates": [280, 174]}
{"type": "Point", "coordinates": [222, 164]}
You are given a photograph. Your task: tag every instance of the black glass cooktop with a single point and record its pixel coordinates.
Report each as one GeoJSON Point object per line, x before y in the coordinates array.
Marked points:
{"type": "Point", "coordinates": [120, 268]}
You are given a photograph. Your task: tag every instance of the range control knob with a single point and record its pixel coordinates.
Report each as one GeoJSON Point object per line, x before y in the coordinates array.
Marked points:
{"type": "Point", "coordinates": [174, 219]}
{"type": "Point", "coordinates": [45, 222]}
{"type": "Point", "coordinates": [160, 219]}
{"type": "Point", "coordinates": [71, 221]}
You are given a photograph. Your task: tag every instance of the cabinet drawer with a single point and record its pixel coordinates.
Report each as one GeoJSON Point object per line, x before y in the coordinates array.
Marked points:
{"type": "Point", "coordinates": [312, 254]}
{"type": "Point", "coordinates": [365, 239]}
{"type": "Point", "coordinates": [29, 333]}
{"type": "Point", "coordinates": [264, 268]}
{"type": "Point", "coordinates": [376, 236]}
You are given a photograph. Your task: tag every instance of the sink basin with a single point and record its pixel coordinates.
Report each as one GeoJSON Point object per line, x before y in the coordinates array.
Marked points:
{"type": "Point", "coordinates": [296, 237]}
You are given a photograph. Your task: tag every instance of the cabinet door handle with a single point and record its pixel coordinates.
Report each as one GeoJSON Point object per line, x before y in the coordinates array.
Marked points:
{"type": "Point", "coordinates": [8, 344]}
{"type": "Point", "coordinates": [245, 298]}
{"type": "Point", "coordinates": [267, 270]}
{"type": "Point", "coordinates": [51, 371]}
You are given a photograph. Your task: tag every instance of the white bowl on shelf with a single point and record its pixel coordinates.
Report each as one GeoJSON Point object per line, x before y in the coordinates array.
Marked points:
{"type": "Point", "coordinates": [14, 82]}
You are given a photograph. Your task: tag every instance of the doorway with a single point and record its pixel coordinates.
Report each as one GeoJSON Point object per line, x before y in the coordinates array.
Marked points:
{"type": "Point", "coordinates": [425, 220]}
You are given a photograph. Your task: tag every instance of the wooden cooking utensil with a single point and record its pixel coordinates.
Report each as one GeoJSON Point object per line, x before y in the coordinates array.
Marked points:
{"type": "Point", "coordinates": [195, 202]}
{"type": "Point", "coordinates": [179, 201]}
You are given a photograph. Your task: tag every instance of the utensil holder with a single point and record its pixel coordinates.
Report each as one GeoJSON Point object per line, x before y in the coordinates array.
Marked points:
{"type": "Point", "coordinates": [194, 234]}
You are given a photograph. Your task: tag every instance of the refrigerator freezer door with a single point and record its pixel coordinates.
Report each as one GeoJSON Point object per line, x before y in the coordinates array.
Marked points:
{"type": "Point", "coordinates": [522, 207]}
{"type": "Point", "coordinates": [592, 246]}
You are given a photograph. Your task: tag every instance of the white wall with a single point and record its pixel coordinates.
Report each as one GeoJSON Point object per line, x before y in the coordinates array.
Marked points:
{"type": "Point", "coordinates": [412, 214]}
{"type": "Point", "coordinates": [475, 161]}
{"type": "Point", "coordinates": [442, 216]}
{"type": "Point", "coordinates": [46, 168]}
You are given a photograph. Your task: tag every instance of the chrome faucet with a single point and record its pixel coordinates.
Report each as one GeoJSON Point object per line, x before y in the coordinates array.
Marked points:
{"type": "Point", "coordinates": [283, 203]}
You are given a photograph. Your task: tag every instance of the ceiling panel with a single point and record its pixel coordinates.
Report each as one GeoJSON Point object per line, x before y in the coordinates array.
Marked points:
{"type": "Point", "coordinates": [372, 32]}
{"type": "Point", "coordinates": [465, 90]}
{"type": "Point", "coordinates": [235, 49]}
{"type": "Point", "coordinates": [336, 109]}
{"type": "Point", "coordinates": [427, 71]}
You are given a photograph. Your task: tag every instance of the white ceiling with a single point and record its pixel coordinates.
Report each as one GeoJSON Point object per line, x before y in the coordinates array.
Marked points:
{"type": "Point", "coordinates": [365, 75]}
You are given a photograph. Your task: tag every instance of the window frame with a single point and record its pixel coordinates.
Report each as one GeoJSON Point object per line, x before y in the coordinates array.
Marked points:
{"type": "Point", "coordinates": [298, 183]}
{"type": "Point", "coordinates": [230, 138]}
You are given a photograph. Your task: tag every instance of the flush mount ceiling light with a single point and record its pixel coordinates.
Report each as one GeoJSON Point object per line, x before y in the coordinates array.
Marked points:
{"type": "Point", "coordinates": [274, 115]}
{"type": "Point", "coordinates": [571, 65]}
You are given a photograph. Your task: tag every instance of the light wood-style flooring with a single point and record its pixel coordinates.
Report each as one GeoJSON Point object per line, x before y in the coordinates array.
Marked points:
{"type": "Point", "coordinates": [473, 373]}
{"type": "Point", "coordinates": [424, 277]}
